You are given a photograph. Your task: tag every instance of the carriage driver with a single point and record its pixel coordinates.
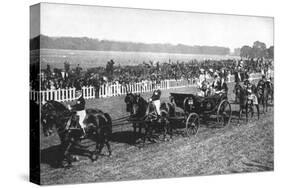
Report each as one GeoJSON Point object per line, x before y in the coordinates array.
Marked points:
{"type": "Point", "coordinates": [216, 85]}
{"type": "Point", "coordinates": [204, 87]}
{"type": "Point", "coordinates": [155, 99]}
{"type": "Point", "coordinates": [79, 108]}
{"type": "Point", "coordinates": [262, 81]}
{"type": "Point", "coordinates": [219, 85]}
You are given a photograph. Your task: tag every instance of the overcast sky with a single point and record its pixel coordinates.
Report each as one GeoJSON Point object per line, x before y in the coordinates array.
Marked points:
{"type": "Point", "coordinates": [151, 26]}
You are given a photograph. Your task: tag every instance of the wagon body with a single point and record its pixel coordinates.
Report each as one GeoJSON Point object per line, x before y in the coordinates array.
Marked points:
{"type": "Point", "coordinates": [196, 107]}
{"type": "Point", "coordinates": [195, 104]}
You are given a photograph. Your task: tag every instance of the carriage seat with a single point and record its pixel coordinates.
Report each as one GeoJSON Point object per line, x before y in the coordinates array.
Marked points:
{"type": "Point", "coordinates": [216, 98]}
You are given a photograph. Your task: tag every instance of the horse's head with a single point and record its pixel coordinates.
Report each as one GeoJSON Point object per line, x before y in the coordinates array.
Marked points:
{"type": "Point", "coordinates": [129, 100]}
{"type": "Point", "coordinates": [138, 106]}
{"type": "Point", "coordinates": [53, 114]}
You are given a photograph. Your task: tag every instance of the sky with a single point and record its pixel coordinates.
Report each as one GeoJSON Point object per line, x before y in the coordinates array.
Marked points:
{"type": "Point", "coordinates": [153, 26]}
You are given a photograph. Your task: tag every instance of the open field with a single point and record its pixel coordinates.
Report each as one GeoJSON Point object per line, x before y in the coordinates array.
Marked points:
{"type": "Point", "coordinates": [86, 59]}
{"type": "Point", "coordinates": [232, 149]}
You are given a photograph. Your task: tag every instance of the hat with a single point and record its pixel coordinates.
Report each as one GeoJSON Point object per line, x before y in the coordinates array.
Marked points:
{"type": "Point", "coordinates": [246, 82]}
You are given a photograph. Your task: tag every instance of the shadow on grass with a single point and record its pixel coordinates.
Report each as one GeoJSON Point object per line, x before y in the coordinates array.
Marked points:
{"type": "Point", "coordinates": [260, 167]}
{"type": "Point", "coordinates": [127, 137]}
{"type": "Point", "coordinates": [52, 155]}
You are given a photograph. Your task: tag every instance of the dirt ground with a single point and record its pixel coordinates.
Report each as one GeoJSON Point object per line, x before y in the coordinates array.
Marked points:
{"type": "Point", "coordinates": [236, 148]}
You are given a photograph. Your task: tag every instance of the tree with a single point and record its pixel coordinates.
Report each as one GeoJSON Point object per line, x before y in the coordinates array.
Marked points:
{"type": "Point", "coordinates": [259, 49]}
{"type": "Point", "coordinates": [246, 51]}
{"type": "Point", "coordinates": [270, 52]}
{"type": "Point", "coordinates": [236, 51]}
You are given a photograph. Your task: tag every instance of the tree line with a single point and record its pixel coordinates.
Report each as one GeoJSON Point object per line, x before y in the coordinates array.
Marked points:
{"type": "Point", "coordinates": [258, 50]}
{"type": "Point", "coordinates": [85, 43]}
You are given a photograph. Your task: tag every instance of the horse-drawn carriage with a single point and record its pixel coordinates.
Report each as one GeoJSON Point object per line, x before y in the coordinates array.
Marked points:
{"type": "Point", "coordinates": [196, 107]}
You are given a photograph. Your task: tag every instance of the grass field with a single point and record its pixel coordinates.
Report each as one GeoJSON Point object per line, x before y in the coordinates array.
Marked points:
{"type": "Point", "coordinates": [86, 58]}
{"type": "Point", "coordinates": [232, 149]}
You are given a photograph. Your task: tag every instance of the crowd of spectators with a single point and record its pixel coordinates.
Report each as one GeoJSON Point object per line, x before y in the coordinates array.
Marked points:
{"type": "Point", "coordinates": [150, 71]}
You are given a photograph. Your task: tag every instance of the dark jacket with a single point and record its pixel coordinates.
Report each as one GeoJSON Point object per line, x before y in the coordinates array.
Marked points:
{"type": "Point", "coordinates": [218, 86]}
{"type": "Point", "coordinates": [224, 87]}
{"type": "Point", "coordinates": [80, 104]}
{"type": "Point", "coordinates": [156, 95]}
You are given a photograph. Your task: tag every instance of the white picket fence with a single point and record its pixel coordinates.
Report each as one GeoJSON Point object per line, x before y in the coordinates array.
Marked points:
{"type": "Point", "coordinates": [108, 90]}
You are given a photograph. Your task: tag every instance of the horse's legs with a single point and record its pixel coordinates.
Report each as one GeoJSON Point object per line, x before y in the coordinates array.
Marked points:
{"type": "Point", "coordinates": [266, 104]}
{"type": "Point", "coordinates": [140, 129]}
{"type": "Point", "coordinates": [135, 132]}
{"type": "Point", "coordinates": [165, 130]}
{"type": "Point", "coordinates": [258, 110]}
{"type": "Point", "coordinates": [240, 114]}
{"type": "Point", "coordinates": [101, 147]}
{"type": "Point", "coordinates": [108, 147]}
{"type": "Point", "coordinates": [145, 133]}
{"type": "Point", "coordinates": [66, 154]}
{"type": "Point", "coordinates": [263, 105]}
{"type": "Point", "coordinates": [97, 150]}
{"type": "Point", "coordinates": [246, 112]}
{"type": "Point", "coordinates": [135, 129]}
{"type": "Point", "coordinates": [252, 111]}
{"type": "Point", "coordinates": [168, 129]}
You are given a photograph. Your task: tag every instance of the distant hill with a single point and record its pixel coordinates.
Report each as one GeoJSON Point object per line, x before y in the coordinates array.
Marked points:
{"type": "Point", "coordinates": [85, 43]}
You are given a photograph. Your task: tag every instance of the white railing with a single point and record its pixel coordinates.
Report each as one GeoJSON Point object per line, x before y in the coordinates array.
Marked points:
{"type": "Point", "coordinates": [108, 90]}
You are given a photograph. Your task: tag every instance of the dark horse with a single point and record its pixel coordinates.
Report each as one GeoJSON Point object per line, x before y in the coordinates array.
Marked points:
{"type": "Point", "coordinates": [236, 91]}
{"type": "Point", "coordinates": [143, 115]}
{"type": "Point", "coordinates": [56, 115]}
{"type": "Point", "coordinates": [246, 103]}
{"type": "Point", "coordinates": [265, 90]}
{"type": "Point", "coordinates": [136, 117]}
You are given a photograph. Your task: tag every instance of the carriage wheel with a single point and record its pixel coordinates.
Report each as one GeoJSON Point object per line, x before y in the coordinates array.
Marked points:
{"type": "Point", "coordinates": [192, 124]}
{"type": "Point", "coordinates": [224, 113]}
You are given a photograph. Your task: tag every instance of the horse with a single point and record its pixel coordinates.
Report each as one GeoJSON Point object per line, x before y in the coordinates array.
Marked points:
{"type": "Point", "coordinates": [245, 102]}
{"type": "Point", "coordinates": [145, 114]}
{"type": "Point", "coordinates": [236, 91]}
{"type": "Point", "coordinates": [161, 120]}
{"type": "Point", "coordinates": [130, 99]}
{"type": "Point", "coordinates": [263, 90]}
{"type": "Point", "coordinates": [56, 115]}
{"type": "Point", "coordinates": [271, 91]}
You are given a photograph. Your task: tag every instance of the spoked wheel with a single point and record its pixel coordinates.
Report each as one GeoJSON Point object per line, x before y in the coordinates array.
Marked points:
{"type": "Point", "coordinates": [224, 113]}
{"type": "Point", "coordinates": [192, 124]}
